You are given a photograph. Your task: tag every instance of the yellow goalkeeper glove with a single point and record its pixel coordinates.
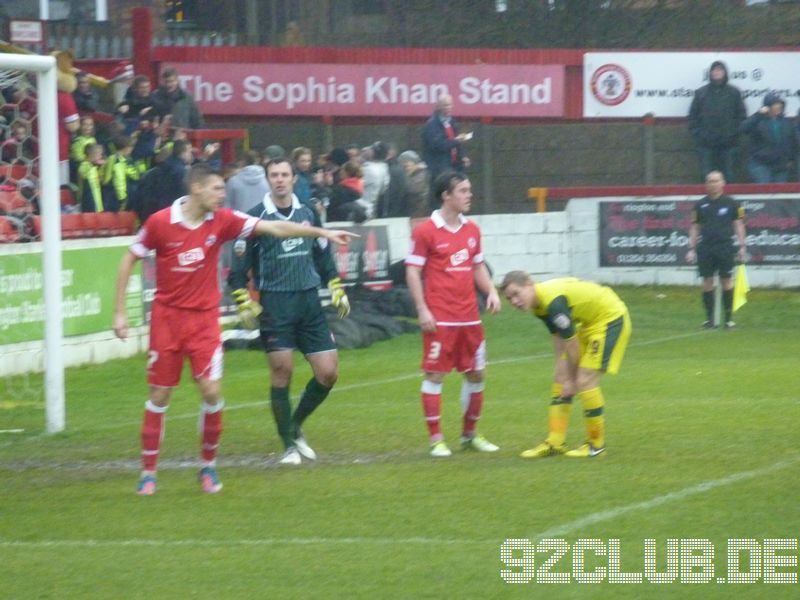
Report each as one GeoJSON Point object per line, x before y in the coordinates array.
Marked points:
{"type": "Point", "coordinates": [249, 309]}
{"type": "Point", "coordinates": [338, 297]}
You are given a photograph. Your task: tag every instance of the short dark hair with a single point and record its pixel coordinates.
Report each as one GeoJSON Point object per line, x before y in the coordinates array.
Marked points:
{"type": "Point", "coordinates": [277, 161]}
{"type": "Point", "coordinates": [169, 72]}
{"type": "Point", "coordinates": [250, 157]}
{"type": "Point", "coordinates": [199, 172]}
{"type": "Point", "coordinates": [515, 277]}
{"type": "Point", "coordinates": [179, 147]}
{"type": "Point", "coordinates": [446, 182]}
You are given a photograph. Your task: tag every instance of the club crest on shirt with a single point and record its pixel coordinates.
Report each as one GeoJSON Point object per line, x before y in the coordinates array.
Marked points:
{"type": "Point", "coordinates": [459, 257]}
{"type": "Point", "coordinates": [190, 256]}
{"type": "Point", "coordinates": [211, 240]}
{"type": "Point", "coordinates": [472, 242]}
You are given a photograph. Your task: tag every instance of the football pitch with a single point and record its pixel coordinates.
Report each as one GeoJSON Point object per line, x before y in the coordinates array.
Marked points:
{"type": "Point", "coordinates": [702, 449]}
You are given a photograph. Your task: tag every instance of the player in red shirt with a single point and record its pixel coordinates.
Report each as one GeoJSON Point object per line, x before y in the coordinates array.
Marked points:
{"type": "Point", "coordinates": [443, 267]}
{"type": "Point", "coordinates": [186, 238]}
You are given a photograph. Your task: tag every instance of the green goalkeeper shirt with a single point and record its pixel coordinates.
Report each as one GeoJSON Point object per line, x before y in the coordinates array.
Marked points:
{"type": "Point", "coordinates": [282, 264]}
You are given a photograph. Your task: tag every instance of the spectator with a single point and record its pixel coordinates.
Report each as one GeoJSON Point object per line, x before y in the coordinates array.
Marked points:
{"type": "Point", "coordinates": [20, 146]}
{"type": "Point", "coordinates": [138, 105]}
{"type": "Point", "coordinates": [77, 150]}
{"type": "Point", "coordinates": [121, 175]}
{"type": "Point", "coordinates": [246, 189]}
{"type": "Point", "coordinates": [417, 184]}
{"type": "Point", "coordinates": [346, 202]}
{"type": "Point", "coordinates": [293, 37]}
{"type": "Point", "coordinates": [171, 99]}
{"type": "Point", "coordinates": [86, 97]}
{"type": "Point", "coordinates": [772, 142]}
{"type": "Point", "coordinates": [716, 113]}
{"type": "Point", "coordinates": [442, 145]}
{"type": "Point", "coordinates": [353, 152]}
{"type": "Point", "coordinates": [393, 203]}
{"type": "Point", "coordinates": [163, 183]}
{"type": "Point", "coordinates": [303, 185]}
{"type": "Point", "coordinates": [376, 176]}
{"type": "Point", "coordinates": [91, 175]}
{"type": "Point", "coordinates": [274, 152]}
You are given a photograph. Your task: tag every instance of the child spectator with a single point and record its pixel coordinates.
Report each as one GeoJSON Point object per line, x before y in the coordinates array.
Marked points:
{"type": "Point", "coordinates": [121, 174]}
{"type": "Point", "coordinates": [91, 174]}
{"type": "Point", "coordinates": [77, 150]}
{"type": "Point", "coordinates": [20, 146]}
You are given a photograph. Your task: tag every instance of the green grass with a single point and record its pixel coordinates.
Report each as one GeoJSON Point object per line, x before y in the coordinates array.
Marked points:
{"type": "Point", "coordinates": [702, 443]}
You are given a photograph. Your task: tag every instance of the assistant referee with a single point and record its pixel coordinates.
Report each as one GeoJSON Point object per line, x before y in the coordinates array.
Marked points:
{"type": "Point", "coordinates": [716, 218]}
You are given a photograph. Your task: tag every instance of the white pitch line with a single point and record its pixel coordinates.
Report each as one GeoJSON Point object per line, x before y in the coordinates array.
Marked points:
{"type": "Point", "coordinates": [228, 542]}
{"type": "Point", "coordinates": [559, 530]}
{"type": "Point", "coordinates": [352, 386]}
{"type": "Point", "coordinates": [688, 492]}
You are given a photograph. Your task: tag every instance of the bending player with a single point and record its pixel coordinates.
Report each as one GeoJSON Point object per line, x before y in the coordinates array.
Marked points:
{"type": "Point", "coordinates": [590, 328]}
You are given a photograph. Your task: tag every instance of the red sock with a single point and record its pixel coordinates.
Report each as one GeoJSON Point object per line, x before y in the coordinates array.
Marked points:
{"type": "Point", "coordinates": [152, 434]}
{"type": "Point", "coordinates": [471, 402]}
{"type": "Point", "coordinates": [432, 407]}
{"type": "Point", "coordinates": [211, 431]}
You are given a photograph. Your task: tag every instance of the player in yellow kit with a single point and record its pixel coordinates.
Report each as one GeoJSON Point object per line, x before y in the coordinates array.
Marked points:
{"type": "Point", "coordinates": [590, 327]}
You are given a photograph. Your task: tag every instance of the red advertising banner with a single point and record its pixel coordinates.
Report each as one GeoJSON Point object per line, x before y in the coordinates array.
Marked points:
{"type": "Point", "coordinates": [383, 90]}
{"type": "Point", "coordinates": [655, 233]}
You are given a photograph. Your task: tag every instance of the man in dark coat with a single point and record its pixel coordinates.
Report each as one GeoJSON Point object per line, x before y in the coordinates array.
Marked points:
{"type": "Point", "coordinates": [442, 145]}
{"type": "Point", "coordinates": [715, 115]}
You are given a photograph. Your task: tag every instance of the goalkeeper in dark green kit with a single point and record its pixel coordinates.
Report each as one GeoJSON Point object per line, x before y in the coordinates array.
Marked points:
{"type": "Point", "coordinates": [288, 273]}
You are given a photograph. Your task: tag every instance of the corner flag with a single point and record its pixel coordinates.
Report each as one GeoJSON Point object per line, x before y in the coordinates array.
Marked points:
{"type": "Point", "coordinates": [740, 288]}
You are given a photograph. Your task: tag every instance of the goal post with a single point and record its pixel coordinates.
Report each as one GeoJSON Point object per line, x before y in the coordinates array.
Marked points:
{"type": "Point", "coordinates": [47, 115]}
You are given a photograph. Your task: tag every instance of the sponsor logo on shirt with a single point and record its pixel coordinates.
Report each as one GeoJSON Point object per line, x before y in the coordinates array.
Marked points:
{"type": "Point", "coordinates": [190, 257]}
{"type": "Point", "coordinates": [459, 257]}
{"type": "Point", "coordinates": [290, 244]}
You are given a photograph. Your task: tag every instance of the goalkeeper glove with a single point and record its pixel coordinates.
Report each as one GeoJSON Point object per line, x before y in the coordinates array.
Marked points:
{"type": "Point", "coordinates": [338, 297]}
{"type": "Point", "coordinates": [249, 310]}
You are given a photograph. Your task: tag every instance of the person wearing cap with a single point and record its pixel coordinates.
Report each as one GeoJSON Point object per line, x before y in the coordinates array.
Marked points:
{"type": "Point", "coordinates": [417, 184]}
{"type": "Point", "coordinates": [773, 145]}
{"type": "Point", "coordinates": [716, 113]}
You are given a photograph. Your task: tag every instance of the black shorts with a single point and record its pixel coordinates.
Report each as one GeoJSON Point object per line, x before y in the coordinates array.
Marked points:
{"type": "Point", "coordinates": [715, 259]}
{"type": "Point", "coordinates": [294, 320]}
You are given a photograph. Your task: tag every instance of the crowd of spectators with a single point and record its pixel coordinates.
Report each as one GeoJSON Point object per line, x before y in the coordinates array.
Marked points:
{"type": "Point", "coordinates": [133, 155]}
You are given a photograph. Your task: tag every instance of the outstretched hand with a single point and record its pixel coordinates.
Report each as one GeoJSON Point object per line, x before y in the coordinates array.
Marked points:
{"type": "Point", "coordinates": [340, 236]}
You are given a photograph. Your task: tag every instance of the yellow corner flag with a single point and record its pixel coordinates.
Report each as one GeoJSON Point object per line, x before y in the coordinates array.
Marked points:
{"type": "Point", "coordinates": [740, 288]}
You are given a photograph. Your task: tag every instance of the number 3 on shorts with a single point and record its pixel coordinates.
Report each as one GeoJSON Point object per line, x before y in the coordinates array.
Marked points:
{"type": "Point", "coordinates": [435, 350]}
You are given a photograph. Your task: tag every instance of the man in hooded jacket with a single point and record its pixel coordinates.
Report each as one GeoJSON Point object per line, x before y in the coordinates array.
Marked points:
{"type": "Point", "coordinates": [716, 113]}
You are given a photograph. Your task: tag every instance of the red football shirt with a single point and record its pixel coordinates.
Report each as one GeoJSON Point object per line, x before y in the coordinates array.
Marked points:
{"type": "Point", "coordinates": [186, 256]}
{"type": "Point", "coordinates": [448, 259]}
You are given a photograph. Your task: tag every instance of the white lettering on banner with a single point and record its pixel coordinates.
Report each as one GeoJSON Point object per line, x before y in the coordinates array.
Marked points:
{"type": "Point", "coordinates": [295, 93]}
{"type": "Point", "coordinates": [394, 90]}
{"type": "Point", "coordinates": [30, 281]}
{"type": "Point", "coordinates": [80, 305]}
{"type": "Point", "coordinates": [390, 90]}
{"type": "Point", "coordinates": [663, 83]}
{"type": "Point", "coordinates": [474, 90]}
